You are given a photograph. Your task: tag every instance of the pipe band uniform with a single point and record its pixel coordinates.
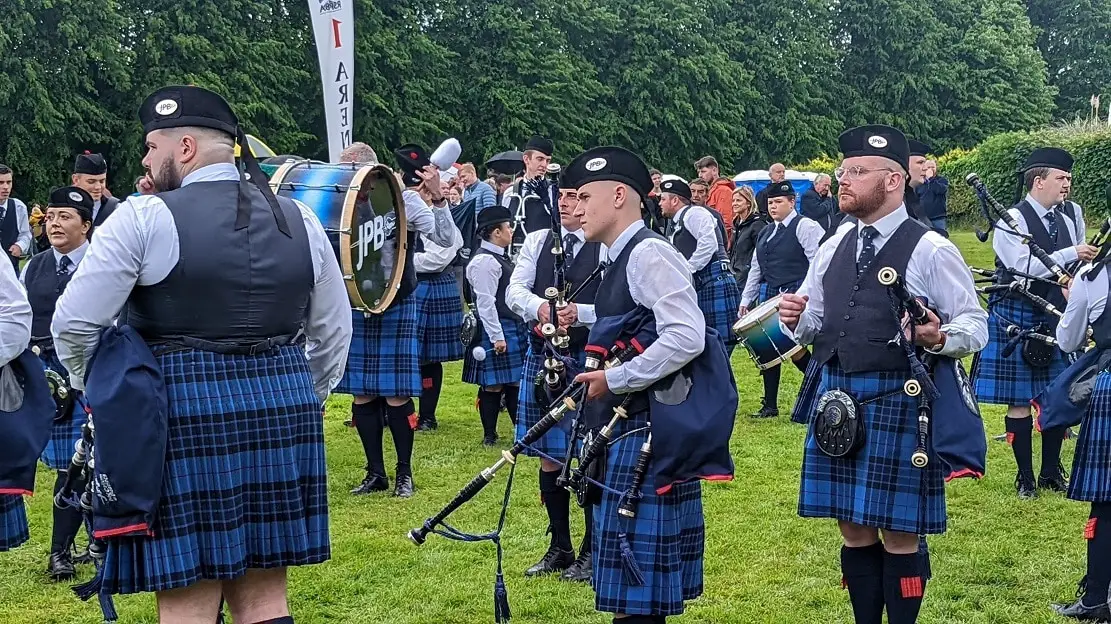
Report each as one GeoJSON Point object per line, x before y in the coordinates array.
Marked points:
{"type": "Point", "coordinates": [854, 324]}
{"type": "Point", "coordinates": [90, 174]}
{"type": "Point", "coordinates": [1037, 237]}
{"type": "Point", "coordinates": [272, 329]}
{"type": "Point", "coordinates": [531, 200]}
{"type": "Point", "coordinates": [68, 225]}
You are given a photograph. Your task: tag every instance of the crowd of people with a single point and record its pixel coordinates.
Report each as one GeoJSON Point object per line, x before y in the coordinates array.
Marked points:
{"type": "Point", "coordinates": [601, 288]}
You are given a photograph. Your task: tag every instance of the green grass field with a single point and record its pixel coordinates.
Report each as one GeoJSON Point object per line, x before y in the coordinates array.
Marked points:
{"type": "Point", "coordinates": [1003, 560]}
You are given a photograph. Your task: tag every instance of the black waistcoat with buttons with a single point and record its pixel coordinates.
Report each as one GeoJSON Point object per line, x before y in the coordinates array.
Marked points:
{"type": "Point", "coordinates": [859, 325]}
{"type": "Point", "coordinates": [503, 283]}
{"type": "Point", "coordinates": [44, 288]}
{"type": "Point", "coordinates": [782, 259]}
{"type": "Point", "coordinates": [587, 256]}
{"type": "Point", "coordinates": [1040, 233]}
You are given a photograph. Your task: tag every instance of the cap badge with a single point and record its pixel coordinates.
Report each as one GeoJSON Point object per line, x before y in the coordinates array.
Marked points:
{"type": "Point", "coordinates": [75, 196]}
{"type": "Point", "coordinates": [166, 107]}
{"type": "Point", "coordinates": [877, 141]}
{"type": "Point", "coordinates": [596, 164]}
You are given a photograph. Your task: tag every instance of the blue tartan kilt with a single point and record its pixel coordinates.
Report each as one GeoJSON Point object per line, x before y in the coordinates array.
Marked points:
{"type": "Point", "coordinates": [384, 359]}
{"type": "Point", "coordinates": [244, 483]}
{"type": "Point", "coordinates": [439, 317]}
{"type": "Point", "coordinates": [63, 435]}
{"type": "Point", "coordinates": [667, 538]}
{"type": "Point", "coordinates": [767, 293]}
{"type": "Point", "coordinates": [1091, 464]}
{"type": "Point", "coordinates": [499, 368]}
{"type": "Point", "coordinates": [719, 298]}
{"type": "Point", "coordinates": [877, 487]}
{"type": "Point", "coordinates": [13, 522]}
{"type": "Point", "coordinates": [554, 443]}
{"type": "Point", "coordinates": [1011, 381]}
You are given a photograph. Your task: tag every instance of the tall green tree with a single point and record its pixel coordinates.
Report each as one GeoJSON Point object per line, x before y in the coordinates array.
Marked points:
{"type": "Point", "coordinates": [1074, 37]}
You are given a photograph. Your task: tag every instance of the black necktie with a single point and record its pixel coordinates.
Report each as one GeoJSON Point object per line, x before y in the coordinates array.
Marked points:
{"type": "Point", "coordinates": [868, 250]}
{"type": "Point", "coordinates": [63, 266]}
{"type": "Point", "coordinates": [1051, 220]}
{"type": "Point", "coordinates": [569, 242]}
{"type": "Point", "coordinates": [779, 228]}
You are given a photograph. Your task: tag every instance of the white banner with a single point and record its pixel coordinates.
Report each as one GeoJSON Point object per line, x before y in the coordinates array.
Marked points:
{"type": "Point", "coordinates": [333, 24]}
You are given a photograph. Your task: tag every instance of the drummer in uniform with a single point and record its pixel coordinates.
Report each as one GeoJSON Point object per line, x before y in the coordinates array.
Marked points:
{"type": "Point", "coordinates": [240, 298]}
{"type": "Point", "coordinates": [784, 250]}
{"type": "Point", "coordinates": [532, 275]}
{"type": "Point", "coordinates": [533, 215]}
{"type": "Point", "coordinates": [503, 335]}
{"type": "Point", "coordinates": [15, 334]}
{"type": "Point", "coordinates": [68, 225]}
{"type": "Point", "coordinates": [699, 235]}
{"type": "Point", "coordinates": [383, 366]}
{"type": "Point", "coordinates": [1091, 470]}
{"type": "Point", "coordinates": [439, 316]}
{"type": "Point", "coordinates": [843, 310]}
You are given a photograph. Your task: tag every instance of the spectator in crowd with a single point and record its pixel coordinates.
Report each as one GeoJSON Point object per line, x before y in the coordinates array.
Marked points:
{"type": "Point", "coordinates": [819, 204]}
{"type": "Point", "coordinates": [502, 182]}
{"type": "Point", "coordinates": [746, 229]}
{"type": "Point", "coordinates": [358, 152]}
{"type": "Point", "coordinates": [454, 197]}
{"type": "Point", "coordinates": [482, 192]}
{"type": "Point", "coordinates": [700, 191]}
{"type": "Point", "coordinates": [657, 175]}
{"type": "Point", "coordinates": [777, 173]}
{"type": "Point", "coordinates": [720, 197]}
{"type": "Point", "coordinates": [15, 221]}
{"type": "Point", "coordinates": [932, 195]}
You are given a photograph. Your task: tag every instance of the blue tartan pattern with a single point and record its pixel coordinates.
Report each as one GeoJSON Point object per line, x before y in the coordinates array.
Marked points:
{"type": "Point", "coordinates": [1091, 465]}
{"type": "Point", "coordinates": [384, 359]}
{"type": "Point", "coordinates": [765, 294]}
{"type": "Point", "coordinates": [529, 411]}
{"type": "Point", "coordinates": [667, 538]}
{"type": "Point", "coordinates": [719, 298]}
{"type": "Point", "coordinates": [499, 368]}
{"type": "Point", "coordinates": [878, 486]}
{"type": "Point", "coordinates": [439, 317]}
{"type": "Point", "coordinates": [63, 435]}
{"type": "Point", "coordinates": [1011, 381]}
{"type": "Point", "coordinates": [244, 483]}
{"type": "Point", "coordinates": [13, 522]}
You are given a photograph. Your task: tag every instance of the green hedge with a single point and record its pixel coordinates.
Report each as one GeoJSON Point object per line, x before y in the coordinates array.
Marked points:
{"type": "Point", "coordinates": [997, 159]}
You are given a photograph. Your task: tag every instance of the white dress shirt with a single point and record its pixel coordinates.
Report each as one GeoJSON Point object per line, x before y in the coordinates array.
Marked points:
{"type": "Point", "coordinates": [75, 257]}
{"type": "Point", "coordinates": [1087, 300]}
{"type": "Point", "coordinates": [809, 234]}
{"type": "Point", "coordinates": [484, 273]}
{"type": "Point", "coordinates": [519, 295]}
{"type": "Point", "coordinates": [139, 246]}
{"type": "Point", "coordinates": [15, 315]}
{"type": "Point", "coordinates": [936, 271]}
{"type": "Point", "coordinates": [659, 279]}
{"type": "Point", "coordinates": [1014, 253]}
{"type": "Point", "coordinates": [22, 223]}
{"type": "Point", "coordinates": [704, 227]}
{"type": "Point", "coordinates": [436, 258]}
{"type": "Point", "coordinates": [435, 222]}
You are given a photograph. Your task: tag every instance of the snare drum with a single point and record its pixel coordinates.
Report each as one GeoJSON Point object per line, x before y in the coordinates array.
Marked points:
{"type": "Point", "coordinates": [761, 334]}
{"type": "Point", "coordinates": [361, 209]}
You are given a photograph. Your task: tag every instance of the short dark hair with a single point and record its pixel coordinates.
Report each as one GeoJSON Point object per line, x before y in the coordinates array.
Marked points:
{"type": "Point", "coordinates": [652, 172]}
{"type": "Point", "coordinates": [706, 161]}
{"type": "Point", "coordinates": [503, 178]}
{"type": "Point", "coordinates": [487, 231]}
{"type": "Point", "coordinates": [4, 169]}
{"type": "Point", "coordinates": [699, 182]}
{"type": "Point", "coordinates": [1033, 174]}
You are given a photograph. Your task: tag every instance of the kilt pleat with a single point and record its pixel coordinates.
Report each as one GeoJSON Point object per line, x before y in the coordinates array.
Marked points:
{"type": "Point", "coordinates": [63, 435]}
{"type": "Point", "coordinates": [384, 359]}
{"type": "Point", "coordinates": [667, 538]}
{"type": "Point", "coordinates": [719, 298]}
{"type": "Point", "coordinates": [499, 368]}
{"type": "Point", "coordinates": [1091, 464]}
{"type": "Point", "coordinates": [13, 522]}
{"type": "Point", "coordinates": [529, 412]}
{"type": "Point", "coordinates": [878, 486]}
{"type": "Point", "coordinates": [1011, 381]}
{"type": "Point", "coordinates": [439, 317]}
{"type": "Point", "coordinates": [244, 484]}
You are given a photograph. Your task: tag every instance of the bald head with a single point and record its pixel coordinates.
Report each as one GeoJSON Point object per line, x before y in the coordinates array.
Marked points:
{"type": "Point", "coordinates": [173, 153]}
{"type": "Point", "coordinates": [777, 172]}
{"type": "Point", "coordinates": [606, 208]}
{"type": "Point", "coordinates": [358, 152]}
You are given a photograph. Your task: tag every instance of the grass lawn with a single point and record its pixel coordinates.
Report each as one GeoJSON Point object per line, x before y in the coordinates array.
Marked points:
{"type": "Point", "coordinates": [1002, 560]}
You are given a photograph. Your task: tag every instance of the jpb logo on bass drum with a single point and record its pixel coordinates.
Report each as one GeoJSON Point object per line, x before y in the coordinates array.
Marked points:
{"type": "Point", "coordinates": [374, 234]}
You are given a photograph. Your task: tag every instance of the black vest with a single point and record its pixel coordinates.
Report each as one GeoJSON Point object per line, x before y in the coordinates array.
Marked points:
{"type": "Point", "coordinates": [858, 324]}
{"type": "Point", "coordinates": [587, 257]}
{"type": "Point", "coordinates": [9, 227]}
{"type": "Point", "coordinates": [503, 283]}
{"type": "Point", "coordinates": [1101, 327]}
{"type": "Point", "coordinates": [44, 288]}
{"type": "Point", "coordinates": [1040, 234]}
{"type": "Point", "coordinates": [782, 259]}
{"type": "Point", "coordinates": [228, 285]}
{"type": "Point", "coordinates": [107, 207]}
{"type": "Point", "coordinates": [686, 243]}
{"type": "Point", "coordinates": [537, 216]}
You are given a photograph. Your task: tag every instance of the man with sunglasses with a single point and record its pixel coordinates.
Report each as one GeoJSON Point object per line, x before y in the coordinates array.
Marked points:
{"type": "Point", "coordinates": [869, 485]}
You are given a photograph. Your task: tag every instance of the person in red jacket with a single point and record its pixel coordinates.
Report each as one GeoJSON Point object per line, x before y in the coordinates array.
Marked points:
{"type": "Point", "coordinates": [721, 192]}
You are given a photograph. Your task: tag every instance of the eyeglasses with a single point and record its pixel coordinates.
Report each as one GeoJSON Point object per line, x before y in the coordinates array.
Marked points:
{"type": "Point", "coordinates": [855, 172]}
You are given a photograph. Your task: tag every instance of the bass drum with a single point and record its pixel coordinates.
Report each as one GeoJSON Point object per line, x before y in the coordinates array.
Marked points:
{"type": "Point", "coordinates": [361, 209]}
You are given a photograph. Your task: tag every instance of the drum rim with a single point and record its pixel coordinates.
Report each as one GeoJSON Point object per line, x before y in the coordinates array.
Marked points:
{"type": "Point", "coordinates": [743, 325]}
{"type": "Point", "coordinates": [348, 218]}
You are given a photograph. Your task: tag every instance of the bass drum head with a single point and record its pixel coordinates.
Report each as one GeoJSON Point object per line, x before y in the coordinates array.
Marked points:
{"type": "Point", "coordinates": [373, 247]}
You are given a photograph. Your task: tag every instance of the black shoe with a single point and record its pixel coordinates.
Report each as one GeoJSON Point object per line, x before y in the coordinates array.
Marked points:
{"type": "Point", "coordinates": [490, 440]}
{"type": "Point", "coordinates": [580, 571]}
{"type": "Point", "coordinates": [1081, 611]}
{"type": "Point", "coordinates": [555, 560]}
{"type": "Point", "coordinates": [372, 483]}
{"type": "Point", "coordinates": [429, 424]}
{"type": "Point", "coordinates": [84, 558]}
{"type": "Point", "coordinates": [404, 487]}
{"type": "Point", "coordinates": [60, 567]}
{"type": "Point", "coordinates": [767, 412]}
{"type": "Point", "coordinates": [1055, 482]}
{"type": "Point", "coordinates": [1024, 485]}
